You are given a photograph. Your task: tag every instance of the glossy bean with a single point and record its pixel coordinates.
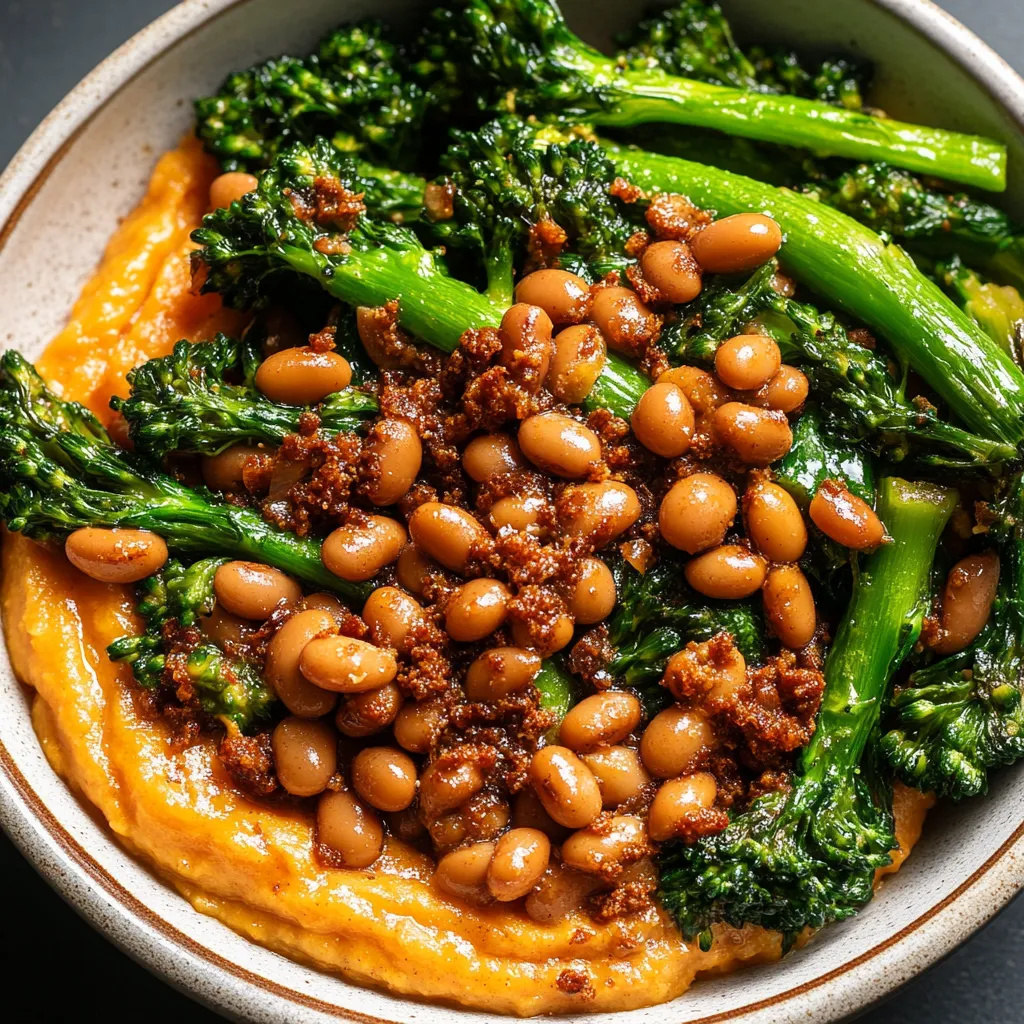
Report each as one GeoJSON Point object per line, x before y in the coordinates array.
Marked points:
{"type": "Point", "coordinates": [302, 376]}
{"type": "Point", "coordinates": [728, 572]}
{"type": "Point", "coordinates": [560, 894]}
{"type": "Point", "coordinates": [748, 361]}
{"type": "Point", "coordinates": [756, 436]}
{"type": "Point", "coordinates": [520, 513]}
{"type": "Point", "coordinates": [305, 754]}
{"type": "Point", "coordinates": [620, 774]}
{"type": "Point", "coordinates": [526, 344]}
{"type": "Point", "coordinates": [677, 801]}
{"type": "Point", "coordinates": [786, 391]}
{"type": "Point", "coordinates": [844, 517]}
{"type": "Point", "coordinates": [282, 673]}
{"type": "Point", "coordinates": [564, 296]}
{"type": "Point", "coordinates": [412, 569]}
{"type": "Point", "coordinates": [253, 591]}
{"type": "Point", "coordinates": [599, 512]}
{"type": "Point", "coordinates": [967, 601]}
{"type": "Point", "coordinates": [529, 812]}
{"type": "Point", "coordinates": [463, 873]}
{"type": "Point", "coordinates": [448, 534]}
{"type": "Point", "coordinates": [593, 597]}
{"type": "Point", "coordinates": [580, 354]}
{"type": "Point", "coordinates": [490, 455]}
{"type": "Point", "coordinates": [663, 420]}
{"type": "Point", "coordinates": [476, 609]}
{"type": "Point", "coordinates": [789, 605]}
{"type": "Point", "coordinates": [736, 244]}
{"type": "Point", "coordinates": [520, 858]}
{"type": "Point", "coordinates": [711, 662]}
{"type": "Point", "coordinates": [697, 512]}
{"type": "Point", "coordinates": [673, 741]}
{"type": "Point", "coordinates": [774, 522]}
{"type": "Point", "coordinates": [229, 188]}
{"type": "Point", "coordinates": [702, 390]}
{"type": "Point", "coordinates": [670, 267]}
{"type": "Point", "coordinates": [500, 671]}
{"type": "Point", "coordinates": [605, 852]}
{"type": "Point", "coordinates": [347, 665]}
{"type": "Point", "coordinates": [350, 831]}
{"type": "Point", "coordinates": [364, 714]}
{"type": "Point", "coordinates": [326, 603]}
{"type": "Point", "coordinates": [566, 786]}
{"type": "Point", "coordinates": [443, 787]}
{"type": "Point", "coordinates": [624, 321]}
{"type": "Point", "coordinates": [391, 615]}
{"type": "Point", "coordinates": [384, 777]}
{"type": "Point", "coordinates": [115, 556]}
{"type": "Point", "coordinates": [600, 720]}
{"type": "Point", "coordinates": [559, 444]}
{"type": "Point", "coordinates": [358, 550]}
{"type": "Point", "coordinates": [223, 472]}
{"type": "Point", "coordinates": [395, 446]}
{"type": "Point", "coordinates": [418, 724]}
{"type": "Point", "coordinates": [550, 642]}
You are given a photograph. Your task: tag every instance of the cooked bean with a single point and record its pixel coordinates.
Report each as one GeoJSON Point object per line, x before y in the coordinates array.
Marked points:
{"type": "Point", "coordinates": [789, 605]}
{"type": "Point", "coordinates": [486, 815]}
{"type": "Point", "coordinates": [281, 671]}
{"type": "Point", "coordinates": [326, 603]}
{"type": "Point", "coordinates": [967, 601]}
{"type": "Point", "coordinates": [447, 831]}
{"type": "Point", "coordinates": [463, 873]}
{"type": "Point", "coordinates": [347, 665]}
{"type": "Point", "coordinates": [501, 671]}
{"type": "Point", "coordinates": [757, 436]}
{"type": "Point", "coordinates": [600, 720]}
{"type": "Point", "coordinates": [229, 188]}
{"type": "Point", "coordinates": [391, 614]}
{"type": "Point", "coordinates": [305, 755]}
{"type": "Point", "coordinates": [720, 663]}
{"type": "Point", "coordinates": [357, 551]}
{"type": "Point", "coordinates": [677, 801]}
{"type": "Point", "coordinates": [520, 858]}
{"type": "Point", "coordinates": [566, 786]}
{"type": "Point", "coordinates": [599, 512]}
{"type": "Point", "coordinates": [594, 596]}
{"type": "Point", "coordinates": [490, 455]}
{"type": "Point", "coordinates": [747, 361]}
{"type": "Point", "coordinates": [703, 391]}
{"type": "Point", "coordinates": [526, 344]}
{"type": "Point", "coordinates": [552, 640]}
{"type": "Point", "coordinates": [364, 714]}
{"type": "Point", "coordinates": [476, 610]}
{"type": "Point", "coordinates": [619, 774]}
{"type": "Point", "coordinates": [384, 777]}
{"type": "Point", "coordinates": [622, 318]}
{"type": "Point", "coordinates": [529, 812]}
{"type": "Point", "coordinates": [580, 354]}
{"type": "Point", "coordinates": [396, 447]}
{"type": "Point", "coordinates": [418, 724]}
{"type": "Point", "coordinates": [447, 534]}
{"type": "Point", "coordinates": [564, 296]}
{"type": "Point", "coordinates": [844, 517]}
{"type": "Point", "coordinates": [223, 472]}
{"type": "Point", "coordinates": [673, 740]}
{"type": "Point", "coordinates": [444, 787]}
{"type": "Point", "coordinates": [559, 894]}
{"type": "Point", "coordinates": [115, 556]}
{"type": "Point", "coordinates": [736, 244]}
{"type": "Point", "coordinates": [386, 346]}
{"type": "Point", "coordinates": [252, 590]}
{"type": "Point", "coordinates": [520, 513]}
{"type": "Point", "coordinates": [602, 852]}
{"type": "Point", "coordinates": [302, 376]}
{"type": "Point", "coordinates": [786, 391]}
{"type": "Point", "coordinates": [559, 444]}
{"type": "Point", "coordinates": [774, 522]}
{"type": "Point", "coordinates": [349, 830]}
{"type": "Point", "coordinates": [224, 628]}
{"type": "Point", "coordinates": [696, 512]}
{"type": "Point", "coordinates": [412, 568]}
{"type": "Point", "coordinates": [663, 420]}
{"type": "Point", "coordinates": [728, 572]}
{"type": "Point", "coordinates": [670, 267]}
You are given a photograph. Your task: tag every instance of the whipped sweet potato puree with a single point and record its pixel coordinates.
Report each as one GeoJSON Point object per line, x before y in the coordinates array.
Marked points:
{"type": "Point", "coordinates": [249, 864]}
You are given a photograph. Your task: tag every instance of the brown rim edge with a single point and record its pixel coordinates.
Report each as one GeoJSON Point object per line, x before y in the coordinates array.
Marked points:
{"type": "Point", "coordinates": [936, 25]}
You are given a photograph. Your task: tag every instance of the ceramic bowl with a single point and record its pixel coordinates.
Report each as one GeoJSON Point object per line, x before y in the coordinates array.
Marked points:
{"type": "Point", "coordinates": [60, 199]}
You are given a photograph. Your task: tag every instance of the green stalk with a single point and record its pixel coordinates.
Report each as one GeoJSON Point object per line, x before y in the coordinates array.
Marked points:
{"type": "Point", "coordinates": [878, 283]}
{"type": "Point", "coordinates": [881, 624]}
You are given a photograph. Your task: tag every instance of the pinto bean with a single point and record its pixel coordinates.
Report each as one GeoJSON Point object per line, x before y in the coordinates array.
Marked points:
{"type": "Point", "coordinates": [786, 391]}
{"type": "Point", "coordinates": [593, 597]}
{"type": "Point", "coordinates": [357, 551]}
{"type": "Point", "coordinates": [281, 671]}
{"type": "Point", "coordinates": [229, 188]}
{"type": "Point", "coordinates": [347, 665]}
{"type": "Point", "coordinates": [223, 471]}
{"type": "Point", "coordinates": [566, 786]}
{"type": "Point", "coordinates": [580, 354]}
{"type": "Point", "coordinates": [728, 572]}
{"type": "Point", "coordinates": [619, 773]}
{"type": "Point", "coordinates": [391, 615]}
{"type": "Point", "coordinates": [774, 522]}
{"type": "Point", "coordinates": [418, 724]}
{"type": "Point", "coordinates": [673, 740]}
{"type": "Point", "coordinates": [520, 858]}
{"type": "Point", "coordinates": [559, 894]}
{"type": "Point", "coordinates": [663, 420]}
{"type": "Point", "coordinates": [115, 556]}
{"type": "Point", "coordinates": [600, 720]}
{"type": "Point", "coordinates": [412, 568]}
{"type": "Point", "coordinates": [445, 787]}
{"type": "Point", "coordinates": [844, 517]}
{"type": "Point", "coordinates": [967, 600]}
{"type": "Point", "coordinates": [253, 591]}
{"type": "Point", "coordinates": [789, 605]}
{"type": "Point", "coordinates": [399, 455]}
{"type": "Point", "coordinates": [305, 755]}
{"type": "Point", "coordinates": [733, 245]}
{"type": "Point", "coordinates": [606, 851]}
{"type": "Point", "coordinates": [756, 436]}
{"type": "Point", "coordinates": [559, 444]}
{"type": "Point", "coordinates": [599, 511]}
{"type": "Point", "coordinates": [490, 455]}
{"type": "Point", "coordinates": [624, 321]}
{"type": "Point", "coordinates": [747, 361]}
{"type": "Point", "coordinates": [520, 513]}
{"type": "Point", "coordinates": [526, 344]}
{"type": "Point", "coordinates": [347, 828]}
{"type": "Point", "coordinates": [501, 671]}
{"type": "Point", "coordinates": [463, 873]}
{"type": "Point", "coordinates": [670, 267]}
{"type": "Point", "coordinates": [696, 512]}
{"type": "Point", "coordinates": [447, 534]}
{"type": "Point", "coordinates": [476, 610]}
{"type": "Point", "coordinates": [302, 376]}
{"type": "Point", "coordinates": [677, 801]}
{"type": "Point", "coordinates": [364, 714]}
{"type": "Point", "coordinates": [703, 390]}
{"type": "Point", "coordinates": [564, 296]}
{"type": "Point", "coordinates": [384, 777]}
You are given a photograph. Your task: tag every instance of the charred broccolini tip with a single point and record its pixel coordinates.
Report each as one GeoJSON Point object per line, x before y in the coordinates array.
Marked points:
{"type": "Point", "coordinates": [506, 187]}
{"type": "Point", "coordinates": [354, 90]}
{"type": "Point", "coordinates": [187, 402]}
{"type": "Point", "coordinates": [59, 471]}
{"type": "Point", "coordinates": [694, 39]}
{"type": "Point", "coordinates": [806, 856]}
{"type": "Point", "coordinates": [657, 614]}
{"type": "Point", "coordinates": [287, 225]}
{"type": "Point", "coordinates": [521, 53]}
{"type": "Point", "coordinates": [963, 715]}
{"type": "Point", "coordinates": [227, 687]}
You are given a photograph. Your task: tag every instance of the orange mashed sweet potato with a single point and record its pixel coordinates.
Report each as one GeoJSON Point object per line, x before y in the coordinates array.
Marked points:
{"type": "Point", "coordinates": [247, 864]}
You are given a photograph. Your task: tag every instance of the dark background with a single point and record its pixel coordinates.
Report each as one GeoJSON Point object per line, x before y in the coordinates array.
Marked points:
{"type": "Point", "coordinates": [64, 968]}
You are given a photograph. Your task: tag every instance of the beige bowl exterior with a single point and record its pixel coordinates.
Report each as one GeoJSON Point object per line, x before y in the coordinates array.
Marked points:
{"type": "Point", "coordinates": [60, 199]}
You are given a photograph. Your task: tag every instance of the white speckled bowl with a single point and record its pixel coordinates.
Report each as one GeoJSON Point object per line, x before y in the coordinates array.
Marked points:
{"type": "Point", "coordinates": [60, 199]}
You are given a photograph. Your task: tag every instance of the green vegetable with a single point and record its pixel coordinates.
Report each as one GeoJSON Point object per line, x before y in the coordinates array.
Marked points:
{"type": "Point", "coordinates": [59, 471]}
{"type": "Point", "coordinates": [997, 309]}
{"type": "Point", "coordinates": [184, 403]}
{"type": "Point", "coordinates": [523, 52]}
{"type": "Point", "coordinates": [227, 686]}
{"type": "Point", "coordinates": [374, 262]}
{"type": "Point", "coordinates": [806, 856]}
{"type": "Point", "coordinates": [876, 282]}
{"type": "Point", "coordinates": [354, 90]}
{"type": "Point", "coordinates": [963, 715]}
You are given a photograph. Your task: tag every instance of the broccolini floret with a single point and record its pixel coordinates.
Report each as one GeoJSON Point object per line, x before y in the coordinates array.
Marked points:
{"type": "Point", "coordinates": [807, 855]}
{"type": "Point", "coordinates": [963, 715]}
{"type": "Point", "coordinates": [185, 402]}
{"type": "Point", "coordinates": [59, 471]}
{"type": "Point", "coordinates": [226, 686]}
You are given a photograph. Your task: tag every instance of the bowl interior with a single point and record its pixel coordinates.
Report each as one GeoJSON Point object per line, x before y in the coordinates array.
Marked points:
{"type": "Point", "coordinates": [957, 877]}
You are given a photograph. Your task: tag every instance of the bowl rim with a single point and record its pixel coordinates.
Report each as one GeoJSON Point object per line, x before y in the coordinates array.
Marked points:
{"type": "Point", "coordinates": [231, 988]}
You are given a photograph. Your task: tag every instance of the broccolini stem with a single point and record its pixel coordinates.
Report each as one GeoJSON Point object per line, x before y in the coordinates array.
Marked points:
{"type": "Point", "coordinates": [881, 625]}
{"type": "Point", "coordinates": [878, 283]}
{"type": "Point", "coordinates": [555, 687]}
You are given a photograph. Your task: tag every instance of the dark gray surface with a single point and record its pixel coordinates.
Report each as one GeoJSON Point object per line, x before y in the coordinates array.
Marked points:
{"type": "Point", "coordinates": [45, 47]}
